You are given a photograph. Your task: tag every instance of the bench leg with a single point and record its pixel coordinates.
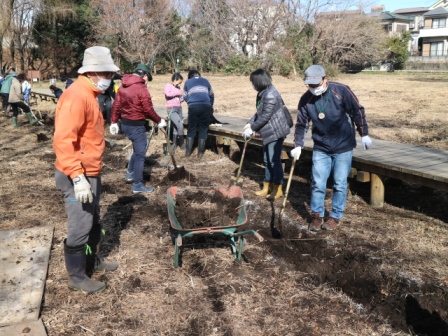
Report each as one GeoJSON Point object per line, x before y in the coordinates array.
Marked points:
{"type": "Point", "coordinates": [376, 191]}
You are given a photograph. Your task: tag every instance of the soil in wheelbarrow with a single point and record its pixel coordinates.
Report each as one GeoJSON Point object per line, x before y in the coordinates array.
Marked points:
{"type": "Point", "coordinates": [196, 209]}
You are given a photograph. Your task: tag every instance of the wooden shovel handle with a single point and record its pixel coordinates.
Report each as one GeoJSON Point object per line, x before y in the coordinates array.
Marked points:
{"type": "Point", "coordinates": [289, 182]}
{"type": "Point", "coordinates": [170, 150]}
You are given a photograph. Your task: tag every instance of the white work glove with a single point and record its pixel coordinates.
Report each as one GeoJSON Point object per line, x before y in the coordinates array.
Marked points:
{"type": "Point", "coordinates": [113, 129]}
{"type": "Point", "coordinates": [295, 153]}
{"type": "Point", "coordinates": [366, 142]}
{"type": "Point", "coordinates": [162, 123]}
{"type": "Point", "coordinates": [247, 126]}
{"type": "Point", "coordinates": [247, 133]}
{"type": "Point", "coordinates": [83, 193]}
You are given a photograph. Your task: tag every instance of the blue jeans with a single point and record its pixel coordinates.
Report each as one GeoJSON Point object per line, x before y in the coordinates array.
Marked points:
{"type": "Point", "coordinates": [272, 157]}
{"type": "Point", "coordinates": [198, 120]}
{"type": "Point", "coordinates": [137, 134]}
{"type": "Point", "coordinates": [323, 165]}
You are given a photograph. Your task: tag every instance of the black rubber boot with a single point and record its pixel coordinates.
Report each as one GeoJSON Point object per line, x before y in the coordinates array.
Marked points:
{"type": "Point", "coordinates": [180, 141]}
{"type": "Point", "coordinates": [94, 262]}
{"type": "Point", "coordinates": [75, 263]}
{"type": "Point", "coordinates": [189, 146]}
{"type": "Point", "coordinates": [201, 147]}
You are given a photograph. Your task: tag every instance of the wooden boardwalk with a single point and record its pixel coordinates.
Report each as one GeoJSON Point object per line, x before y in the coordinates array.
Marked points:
{"type": "Point", "coordinates": [415, 164]}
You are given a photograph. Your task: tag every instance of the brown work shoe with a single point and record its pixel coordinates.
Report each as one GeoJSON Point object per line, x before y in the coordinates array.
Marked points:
{"type": "Point", "coordinates": [330, 223]}
{"type": "Point", "coordinates": [316, 223]}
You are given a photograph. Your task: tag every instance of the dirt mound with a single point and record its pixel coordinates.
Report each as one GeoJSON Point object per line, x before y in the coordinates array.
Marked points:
{"type": "Point", "coordinates": [196, 209]}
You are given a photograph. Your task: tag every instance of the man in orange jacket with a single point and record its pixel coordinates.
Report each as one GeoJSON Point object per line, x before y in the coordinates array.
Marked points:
{"type": "Point", "coordinates": [79, 145]}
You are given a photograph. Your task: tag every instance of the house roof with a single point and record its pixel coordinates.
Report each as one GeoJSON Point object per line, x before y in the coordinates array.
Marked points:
{"type": "Point", "coordinates": [344, 12]}
{"type": "Point", "coordinates": [410, 10]}
{"type": "Point", "coordinates": [392, 16]}
{"type": "Point", "coordinates": [437, 11]}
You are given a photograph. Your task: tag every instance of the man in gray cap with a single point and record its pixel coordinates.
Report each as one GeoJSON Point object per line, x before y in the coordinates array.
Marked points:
{"type": "Point", "coordinates": [334, 111]}
{"type": "Point", "coordinates": [79, 145]}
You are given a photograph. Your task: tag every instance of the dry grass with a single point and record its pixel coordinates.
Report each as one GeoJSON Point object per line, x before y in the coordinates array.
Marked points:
{"type": "Point", "coordinates": [286, 287]}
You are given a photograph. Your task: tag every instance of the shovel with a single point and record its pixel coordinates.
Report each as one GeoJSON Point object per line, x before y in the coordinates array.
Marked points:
{"type": "Point", "coordinates": [237, 180]}
{"type": "Point", "coordinates": [286, 193]}
{"type": "Point", "coordinates": [179, 171]}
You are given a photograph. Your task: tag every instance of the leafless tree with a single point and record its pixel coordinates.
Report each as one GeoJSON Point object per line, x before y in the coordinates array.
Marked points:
{"type": "Point", "coordinates": [134, 30]}
{"type": "Point", "coordinates": [6, 9]}
{"type": "Point", "coordinates": [17, 18]}
{"type": "Point", "coordinates": [349, 37]}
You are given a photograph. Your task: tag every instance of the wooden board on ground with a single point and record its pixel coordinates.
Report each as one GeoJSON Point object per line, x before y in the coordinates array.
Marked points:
{"type": "Point", "coordinates": [30, 328]}
{"type": "Point", "coordinates": [24, 263]}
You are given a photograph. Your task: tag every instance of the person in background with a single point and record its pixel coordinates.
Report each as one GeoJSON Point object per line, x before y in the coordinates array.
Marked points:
{"type": "Point", "coordinates": [270, 122]}
{"type": "Point", "coordinates": [199, 96]}
{"type": "Point", "coordinates": [67, 81]}
{"type": "Point", "coordinates": [334, 111]}
{"type": "Point", "coordinates": [133, 105]}
{"type": "Point", "coordinates": [26, 90]}
{"type": "Point", "coordinates": [15, 100]}
{"type": "Point", "coordinates": [6, 87]}
{"type": "Point", "coordinates": [106, 99]}
{"type": "Point", "coordinates": [56, 91]}
{"type": "Point", "coordinates": [79, 145]}
{"type": "Point", "coordinates": [174, 98]}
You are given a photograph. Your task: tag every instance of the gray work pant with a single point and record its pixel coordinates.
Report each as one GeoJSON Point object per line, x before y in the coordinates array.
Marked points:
{"type": "Point", "coordinates": [176, 117]}
{"type": "Point", "coordinates": [83, 218]}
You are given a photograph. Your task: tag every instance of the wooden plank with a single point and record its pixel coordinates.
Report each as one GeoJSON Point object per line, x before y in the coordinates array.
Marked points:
{"type": "Point", "coordinates": [376, 191]}
{"type": "Point", "coordinates": [363, 176]}
{"type": "Point", "coordinates": [24, 263]}
{"type": "Point", "coordinates": [29, 328]}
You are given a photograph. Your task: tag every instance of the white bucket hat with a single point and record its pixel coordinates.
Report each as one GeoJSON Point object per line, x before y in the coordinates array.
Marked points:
{"type": "Point", "coordinates": [97, 59]}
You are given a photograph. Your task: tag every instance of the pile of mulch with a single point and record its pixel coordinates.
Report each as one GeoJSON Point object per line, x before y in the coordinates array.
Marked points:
{"type": "Point", "coordinates": [196, 209]}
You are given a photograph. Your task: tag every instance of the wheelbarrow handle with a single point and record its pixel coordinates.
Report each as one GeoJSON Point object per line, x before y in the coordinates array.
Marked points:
{"type": "Point", "coordinates": [255, 233]}
{"type": "Point", "coordinates": [258, 236]}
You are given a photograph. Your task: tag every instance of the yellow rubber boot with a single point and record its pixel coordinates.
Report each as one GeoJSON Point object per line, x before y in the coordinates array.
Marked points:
{"type": "Point", "coordinates": [276, 192]}
{"type": "Point", "coordinates": [266, 189]}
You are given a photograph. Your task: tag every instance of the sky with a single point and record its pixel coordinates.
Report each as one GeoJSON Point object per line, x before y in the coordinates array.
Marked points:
{"type": "Point", "coordinates": [391, 5]}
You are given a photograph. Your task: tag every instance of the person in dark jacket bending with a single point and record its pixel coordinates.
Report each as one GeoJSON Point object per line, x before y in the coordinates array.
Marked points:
{"type": "Point", "coordinates": [106, 99]}
{"type": "Point", "coordinates": [56, 91]}
{"type": "Point", "coordinates": [67, 81]}
{"type": "Point", "coordinates": [133, 105]}
{"type": "Point", "coordinates": [271, 123]}
{"type": "Point", "coordinates": [334, 110]}
{"type": "Point", "coordinates": [199, 96]}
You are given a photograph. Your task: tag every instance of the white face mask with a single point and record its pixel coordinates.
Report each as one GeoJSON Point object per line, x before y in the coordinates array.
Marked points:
{"type": "Point", "coordinates": [319, 90]}
{"type": "Point", "coordinates": [103, 84]}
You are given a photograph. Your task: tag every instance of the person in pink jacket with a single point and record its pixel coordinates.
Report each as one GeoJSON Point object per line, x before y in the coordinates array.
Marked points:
{"type": "Point", "coordinates": [174, 98]}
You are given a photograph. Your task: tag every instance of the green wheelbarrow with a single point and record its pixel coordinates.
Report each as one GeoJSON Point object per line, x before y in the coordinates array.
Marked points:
{"type": "Point", "coordinates": [230, 230]}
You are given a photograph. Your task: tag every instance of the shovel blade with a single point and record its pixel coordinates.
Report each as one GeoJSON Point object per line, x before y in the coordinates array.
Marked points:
{"type": "Point", "coordinates": [179, 173]}
{"type": "Point", "coordinates": [234, 180]}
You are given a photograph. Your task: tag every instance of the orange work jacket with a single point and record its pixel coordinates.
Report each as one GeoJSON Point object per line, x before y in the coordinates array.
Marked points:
{"type": "Point", "coordinates": [79, 130]}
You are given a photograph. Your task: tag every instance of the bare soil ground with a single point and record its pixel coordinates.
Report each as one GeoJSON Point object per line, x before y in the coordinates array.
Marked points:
{"type": "Point", "coordinates": [382, 272]}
